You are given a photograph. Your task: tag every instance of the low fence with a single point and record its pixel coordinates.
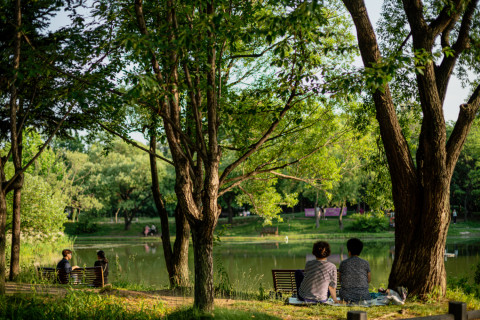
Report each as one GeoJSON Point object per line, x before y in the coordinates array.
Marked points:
{"type": "Point", "coordinates": [327, 212]}
{"type": "Point", "coordinates": [456, 311]}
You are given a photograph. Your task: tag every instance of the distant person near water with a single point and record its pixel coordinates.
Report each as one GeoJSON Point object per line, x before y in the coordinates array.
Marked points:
{"type": "Point", "coordinates": [146, 230]}
{"type": "Point", "coordinates": [454, 215]}
{"type": "Point", "coordinates": [102, 261]}
{"type": "Point", "coordinates": [355, 274]}
{"type": "Point", "coordinates": [153, 230]}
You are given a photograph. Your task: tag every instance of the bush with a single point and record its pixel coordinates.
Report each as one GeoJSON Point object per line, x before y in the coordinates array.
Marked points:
{"type": "Point", "coordinates": [85, 227]}
{"type": "Point", "coordinates": [369, 222]}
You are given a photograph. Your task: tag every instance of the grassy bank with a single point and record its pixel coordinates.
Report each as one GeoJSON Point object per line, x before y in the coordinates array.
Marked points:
{"type": "Point", "coordinates": [39, 252]}
{"type": "Point", "coordinates": [118, 304]}
{"type": "Point", "coordinates": [295, 226]}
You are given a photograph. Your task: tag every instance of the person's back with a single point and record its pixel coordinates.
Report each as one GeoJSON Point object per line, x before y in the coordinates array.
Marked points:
{"type": "Point", "coordinates": [102, 262]}
{"type": "Point", "coordinates": [319, 275]}
{"type": "Point", "coordinates": [319, 278]}
{"type": "Point", "coordinates": [355, 274]}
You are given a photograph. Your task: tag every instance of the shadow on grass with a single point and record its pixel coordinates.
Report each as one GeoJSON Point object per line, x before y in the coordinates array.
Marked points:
{"type": "Point", "coordinates": [219, 313]}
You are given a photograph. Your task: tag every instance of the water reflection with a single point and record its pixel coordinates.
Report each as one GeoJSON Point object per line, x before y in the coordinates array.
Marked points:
{"type": "Point", "coordinates": [249, 265]}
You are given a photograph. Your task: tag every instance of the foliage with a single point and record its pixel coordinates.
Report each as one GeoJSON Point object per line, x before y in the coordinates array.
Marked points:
{"type": "Point", "coordinates": [372, 222]}
{"type": "Point", "coordinates": [118, 176]}
{"type": "Point", "coordinates": [465, 183]}
{"type": "Point", "coordinates": [44, 194]}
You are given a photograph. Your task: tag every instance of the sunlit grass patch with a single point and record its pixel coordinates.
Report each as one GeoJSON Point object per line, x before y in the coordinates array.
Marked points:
{"type": "Point", "coordinates": [80, 305]}
{"type": "Point", "coordinates": [219, 313]}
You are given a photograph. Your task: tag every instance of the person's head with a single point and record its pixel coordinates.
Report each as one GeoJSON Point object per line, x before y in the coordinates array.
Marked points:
{"type": "Point", "coordinates": [321, 249]}
{"type": "Point", "coordinates": [354, 246]}
{"type": "Point", "coordinates": [101, 255]}
{"type": "Point", "coordinates": [67, 254]}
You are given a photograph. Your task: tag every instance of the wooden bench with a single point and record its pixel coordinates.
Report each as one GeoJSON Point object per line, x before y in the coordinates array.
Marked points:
{"type": "Point", "coordinates": [284, 281]}
{"type": "Point", "coordinates": [269, 230]}
{"type": "Point", "coordinates": [90, 276]}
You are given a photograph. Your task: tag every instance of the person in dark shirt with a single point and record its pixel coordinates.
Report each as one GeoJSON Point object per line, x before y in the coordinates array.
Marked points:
{"type": "Point", "coordinates": [355, 274]}
{"type": "Point", "coordinates": [64, 268]}
{"type": "Point", "coordinates": [102, 261]}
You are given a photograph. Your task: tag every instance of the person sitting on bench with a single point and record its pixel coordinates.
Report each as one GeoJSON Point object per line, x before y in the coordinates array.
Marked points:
{"type": "Point", "coordinates": [102, 261]}
{"type": "Point", "coordinates": [63, 267]}
{"type": "Point", "coordinates": [319, 280]}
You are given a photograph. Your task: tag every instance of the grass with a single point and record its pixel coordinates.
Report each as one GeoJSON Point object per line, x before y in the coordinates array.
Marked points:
{"type": "Point", "coordinates": [295, 226]}
{"type": "Point", "coordinates": [78, 304]}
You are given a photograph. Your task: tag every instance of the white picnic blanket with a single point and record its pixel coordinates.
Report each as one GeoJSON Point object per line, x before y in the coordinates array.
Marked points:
{"type": "Point", "coordinates": [383, 300]}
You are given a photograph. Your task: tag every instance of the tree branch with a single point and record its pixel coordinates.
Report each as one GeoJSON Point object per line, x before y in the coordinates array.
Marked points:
{"type": "Point", "coordinates": [460, 131]}
{"type": "Point", "coordinates": [132, 142]}
{"type": "Point", "coordinates": [444, 71]}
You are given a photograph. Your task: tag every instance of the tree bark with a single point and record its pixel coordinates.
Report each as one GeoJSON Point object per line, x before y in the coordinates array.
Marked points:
{"type": "Point", "coordinates": [340, 217]}
{"type": "Point", "coordinates": [180, 272]}
{"type": "Point", "coordinates": [229, 201]}
{"type": "Point", "coordinates": [128, 220]}
{"type": "Point", "coordinates": [177, 260]}
{"type": "Point", "coordinates": [3, 237]}
{"type": "Point", "coordinates": [15, 250]}
{"type": "Point", "coordinates": [203, 259]}
{"type": "Point", "coordinates": [317, 212]}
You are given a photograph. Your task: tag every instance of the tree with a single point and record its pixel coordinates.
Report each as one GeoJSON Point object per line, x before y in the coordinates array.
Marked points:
{"type": "Point", "coordinates": [442, 35]}
{"type": "Point", "coordinates": [119, 177]}
{"type": "Point", "coordinates": [36, 94]}
{"type": "Point", "coordinates": [224, 76]}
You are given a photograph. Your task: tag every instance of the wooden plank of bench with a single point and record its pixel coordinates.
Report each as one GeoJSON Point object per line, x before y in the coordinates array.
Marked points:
{"type": "Point", "coordinates": [92, 276]}
{"type": "Point", "coordinates": [284, 280]}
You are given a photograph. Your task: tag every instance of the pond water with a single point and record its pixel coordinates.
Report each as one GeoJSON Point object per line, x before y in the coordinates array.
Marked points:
{"type": "Point", "coordinates": [249, 265]}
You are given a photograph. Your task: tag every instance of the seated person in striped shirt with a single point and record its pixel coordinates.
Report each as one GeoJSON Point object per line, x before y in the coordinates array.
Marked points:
{"type": "Point", "coordinates": [355, 274]}
{"type": "Point", "coordinates": [320, 277]}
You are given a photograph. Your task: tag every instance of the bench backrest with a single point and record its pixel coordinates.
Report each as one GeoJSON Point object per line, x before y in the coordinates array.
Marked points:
{"type": "Point", "coordinates": [284, 280]}
{"type": "Point", "coordinates": [92, 276]}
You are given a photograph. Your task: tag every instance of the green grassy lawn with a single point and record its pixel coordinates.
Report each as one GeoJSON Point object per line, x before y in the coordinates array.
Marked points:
{"type": "Point", "coordinates": [296, 226]}
{"type": "Point", "coordinates": [123, 304]}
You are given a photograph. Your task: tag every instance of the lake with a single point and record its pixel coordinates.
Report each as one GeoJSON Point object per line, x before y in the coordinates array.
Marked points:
{"type": "Point", "coordinates": [249, 265]}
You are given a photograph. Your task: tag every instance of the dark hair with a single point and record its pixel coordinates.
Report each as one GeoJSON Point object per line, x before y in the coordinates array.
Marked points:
{"type": "Point", "coordinates": [321, 249]}
{"type": "Point", "coordinates": [66, 251]}
{"type": "Point", "coordinates": [355, 246]}
{"type": "Point", "coordinates": [101, 255]}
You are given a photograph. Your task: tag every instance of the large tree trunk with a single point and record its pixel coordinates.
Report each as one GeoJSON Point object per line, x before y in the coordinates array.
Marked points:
{"type": "Point", "coordinates": [419, 253]}
{"type": "Point", "coordinates": [421, 188]}
{"type": "Point", "coordinates": [128, 220]}
{"type": "Point", "coordinates": [203, 257]}
{"type": "Point", "coordinates": [176, 260]}
{"type": "Point", "coordinates": [317, 212]}
{"type": "Point", "coordinates": [340, 217]}
{"type": "Point", "coordinates": [17, 212]}
{"type": "Point", "coordinates": [179, 276]}
{"type": "Point", "coordinates": [15, 250]}
{"type": "Point", "coordinates": [229, 201]}
{"type": "Point", "coordinates": [3, 237]}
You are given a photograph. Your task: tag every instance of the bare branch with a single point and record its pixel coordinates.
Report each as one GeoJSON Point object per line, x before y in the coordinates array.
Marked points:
{"type": "Point", "coordinates": [133, 142]}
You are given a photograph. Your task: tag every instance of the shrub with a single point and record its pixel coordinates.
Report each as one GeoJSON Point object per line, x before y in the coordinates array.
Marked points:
{"type": "Point", "coordinates": [85, 227]}
{"type": "Point", "coordinates": [369, 222]}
